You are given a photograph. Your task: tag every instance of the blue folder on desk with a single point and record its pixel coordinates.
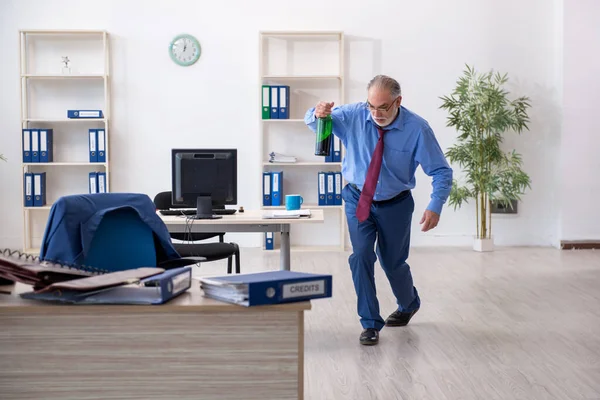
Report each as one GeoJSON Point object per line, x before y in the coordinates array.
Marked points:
{"type": "Point", "coordinates": [262, 288]}
{"type": "Point", "coordinates": [156, 289]}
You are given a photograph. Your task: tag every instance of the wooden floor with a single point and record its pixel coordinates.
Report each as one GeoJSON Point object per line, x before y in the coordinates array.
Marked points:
{"type": "Point", "coordinates": [518, 323]}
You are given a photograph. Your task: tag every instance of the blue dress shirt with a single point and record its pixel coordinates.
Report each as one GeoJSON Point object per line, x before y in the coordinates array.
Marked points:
{"type": "Point", "coordinates": [408, 143]}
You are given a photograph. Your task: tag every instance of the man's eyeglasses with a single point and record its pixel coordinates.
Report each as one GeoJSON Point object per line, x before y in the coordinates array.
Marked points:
{"type": "Point", "coordinates": [381, 108]}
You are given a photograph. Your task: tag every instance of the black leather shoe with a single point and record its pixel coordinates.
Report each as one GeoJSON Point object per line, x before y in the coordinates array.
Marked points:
{"type": "Point", "coordinates": [398, 318]}
{"type": "Point", "coordinates": [369, 336]}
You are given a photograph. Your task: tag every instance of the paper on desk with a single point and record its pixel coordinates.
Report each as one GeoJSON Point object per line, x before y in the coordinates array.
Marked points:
{"type": "Point", "coordinates": [231, 292]}
{"type": "Point", "coordinates": [287, 213]}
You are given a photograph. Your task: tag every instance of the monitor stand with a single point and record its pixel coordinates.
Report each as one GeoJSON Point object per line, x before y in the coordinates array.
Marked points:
{"type": "Point", "coordinates": [204, 208]}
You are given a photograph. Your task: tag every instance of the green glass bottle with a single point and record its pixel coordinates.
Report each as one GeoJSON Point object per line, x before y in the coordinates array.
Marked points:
{"type": "Point", "coordinates": [324, 136]}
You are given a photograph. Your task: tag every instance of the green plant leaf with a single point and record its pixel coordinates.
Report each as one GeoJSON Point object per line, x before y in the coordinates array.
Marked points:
{"type": "Point", "coordinates": [481, 112]}
{"type": "Point", "coordinates": [459, 195]}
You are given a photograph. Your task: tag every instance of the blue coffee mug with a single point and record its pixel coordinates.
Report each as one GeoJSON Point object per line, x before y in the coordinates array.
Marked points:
{"type": "Point", "coordinates": [293, 202]}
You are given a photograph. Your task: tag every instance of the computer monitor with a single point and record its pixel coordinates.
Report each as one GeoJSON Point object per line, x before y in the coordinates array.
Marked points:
{"type": "Point", "coordinates": [204, 179]}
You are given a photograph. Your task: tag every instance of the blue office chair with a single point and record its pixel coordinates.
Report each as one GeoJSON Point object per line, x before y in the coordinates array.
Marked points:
{"type": "Point", "coordinates": [110, 232]}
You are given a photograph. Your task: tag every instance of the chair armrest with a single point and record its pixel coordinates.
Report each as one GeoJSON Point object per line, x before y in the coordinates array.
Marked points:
{"type": "Point", "coordinates": [180, 262]}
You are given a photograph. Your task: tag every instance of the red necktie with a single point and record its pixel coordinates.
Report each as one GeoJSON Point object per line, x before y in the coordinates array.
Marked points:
{"type": "Point", "coordinates": [366, 196]}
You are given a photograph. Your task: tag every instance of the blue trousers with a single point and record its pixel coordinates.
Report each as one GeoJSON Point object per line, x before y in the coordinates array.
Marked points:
{"type": "Point", "coordinates": [389, 223]}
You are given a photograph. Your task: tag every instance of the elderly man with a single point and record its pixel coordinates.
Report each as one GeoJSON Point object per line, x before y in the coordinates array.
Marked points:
{"type": "Point", "coordinates": [385, 142]}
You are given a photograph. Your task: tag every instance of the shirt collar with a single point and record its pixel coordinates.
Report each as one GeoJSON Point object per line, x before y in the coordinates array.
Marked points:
{"type": "Point", "coordinates": [397, 124]}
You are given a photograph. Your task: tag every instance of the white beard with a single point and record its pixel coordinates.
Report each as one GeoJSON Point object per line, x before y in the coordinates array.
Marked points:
{"type": "Point", "coordinates": [387, 121]}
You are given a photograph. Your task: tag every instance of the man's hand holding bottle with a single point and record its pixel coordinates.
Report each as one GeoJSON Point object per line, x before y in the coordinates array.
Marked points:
{"type": "Point", "coordinates": [323, 109]}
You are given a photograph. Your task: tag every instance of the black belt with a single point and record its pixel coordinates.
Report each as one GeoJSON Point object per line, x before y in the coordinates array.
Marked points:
{"type": "Point", "coordinates": [396, 197]}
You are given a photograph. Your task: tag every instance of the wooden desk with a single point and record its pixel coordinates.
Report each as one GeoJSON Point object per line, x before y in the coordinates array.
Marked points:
{"type": "Point", "coordinates": [248, 221]}
{"type": "Point", "coordinates": [189, 348]}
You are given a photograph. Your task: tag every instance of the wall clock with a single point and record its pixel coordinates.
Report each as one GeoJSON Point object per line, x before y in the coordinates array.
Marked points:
{"type": "Point", "coordinates": [184, 50]}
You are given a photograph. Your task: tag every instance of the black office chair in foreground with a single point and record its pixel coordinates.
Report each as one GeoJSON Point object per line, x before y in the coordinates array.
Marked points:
{"type": "Point", "coordinates": [210, 251]}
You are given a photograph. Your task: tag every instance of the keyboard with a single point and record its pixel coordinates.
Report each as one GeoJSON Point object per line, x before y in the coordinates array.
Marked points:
{"type": "Point", "coordinates": [185, 211]}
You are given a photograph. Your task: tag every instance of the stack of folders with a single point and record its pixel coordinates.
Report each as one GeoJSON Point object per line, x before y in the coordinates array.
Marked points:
{"type": "Point", "coordinates": [38, 145]}
{"type": "Point", "coordinates": [275, 102]}
{"type": "Point", "coordinates": [133, 286]}
{"type": "Point", "coordinates": [97, 145]}
{"type": "Point", "coordinates": [272, 188]}
{"type": "Point", "coordinates": [275, 157]}
{"type": "Point", "coordinates": [263, 288]}
{"type": "Point", "coordinates": [335, 153]}
{"type": "Point", "coordinates": [98, 182]}
{"type": "Point", "coordinates": [87, 285]}
{"type": "Point", "coordinates": [330, 188]}
{"type": "Point", "coordinates": [34, 189]}
{"type": "Point", "coordinates": [284, 214]}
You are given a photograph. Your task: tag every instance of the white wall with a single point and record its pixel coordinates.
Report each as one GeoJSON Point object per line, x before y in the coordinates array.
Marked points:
{"type": "Point", "coordinates": [424, 44]}
{"type": "Point", "coordinates": [580, 145]}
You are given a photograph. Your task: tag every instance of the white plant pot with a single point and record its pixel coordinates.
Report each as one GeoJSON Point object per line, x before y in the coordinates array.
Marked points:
{"type": "Point", "coordinates": [483, 244]}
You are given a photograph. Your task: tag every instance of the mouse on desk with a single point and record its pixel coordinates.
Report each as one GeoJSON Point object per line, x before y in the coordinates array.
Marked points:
{"type": "Point", "coordinates": [241, 209]}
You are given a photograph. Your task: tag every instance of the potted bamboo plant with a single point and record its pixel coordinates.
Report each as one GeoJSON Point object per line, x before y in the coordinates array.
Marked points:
{"type": "Point", "coordinates": [481, 111]}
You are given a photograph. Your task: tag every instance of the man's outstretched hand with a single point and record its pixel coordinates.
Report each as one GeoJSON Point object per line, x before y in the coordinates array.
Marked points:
{"type": "Point", "coordinates": [429, 220]}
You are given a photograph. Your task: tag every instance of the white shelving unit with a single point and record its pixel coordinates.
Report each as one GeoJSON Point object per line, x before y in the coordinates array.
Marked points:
{"type": "Point", "coordinates": [46, 95]}
{"type": "Point", "coordinates": [311, 63]}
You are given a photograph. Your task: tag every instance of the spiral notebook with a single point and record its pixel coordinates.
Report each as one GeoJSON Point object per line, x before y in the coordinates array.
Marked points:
{"type": "Point", "coordinates": [78, 284]}
{"type": "Point", "coordinates": [30, 270]}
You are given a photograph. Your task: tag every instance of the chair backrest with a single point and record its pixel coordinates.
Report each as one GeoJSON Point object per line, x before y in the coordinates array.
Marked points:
{"type": "Point", "coordinates": [112, 231]}
{"type": "Point", "coordinates": [122, 241]}
{"type": "Point", "coordinates": [162, 201]}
